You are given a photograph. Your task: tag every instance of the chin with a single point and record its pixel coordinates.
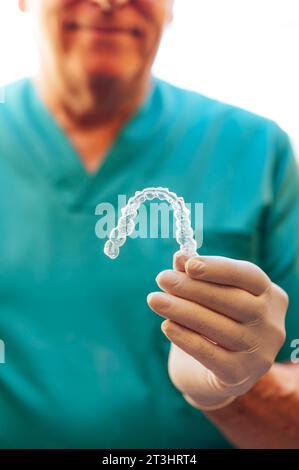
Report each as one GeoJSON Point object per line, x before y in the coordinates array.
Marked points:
{"type": "Point", "coordinates": [115, 72]}
{"type": "Point", "coordinates": [122, 66]}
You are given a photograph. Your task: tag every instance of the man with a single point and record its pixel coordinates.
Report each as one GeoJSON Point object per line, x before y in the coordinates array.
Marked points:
{"type": "Point", "coordinates": [86, 362]}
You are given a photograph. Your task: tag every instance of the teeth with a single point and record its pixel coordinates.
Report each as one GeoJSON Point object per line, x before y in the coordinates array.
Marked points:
{"type": "Point", "coordinates": [111, 250]}
{"type": "Point", "coordinates": [124, 220]}
{"type": "Point", "coordinates": [126, 225]}
{"type": "Point", "coordinates": [182, 237]}
{"type": "Point", "coordinates": [161, 195]}
{"type": "Point", "coordinates": [187, 230]}
{"type": "Point", "coordinates": [130, 227]}
{"type": "Point", "coordinates": [118, 237]}
{"type": "Point", "coordinates": [150, 195]}
{"type": "Point", "coordinates": [189, 248]}
{"type": "Point", "coordinates": [132, 211]}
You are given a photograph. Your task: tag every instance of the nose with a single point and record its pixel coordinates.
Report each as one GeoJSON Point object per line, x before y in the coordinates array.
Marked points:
{"type": "Point", "coordinates": [108, 5]}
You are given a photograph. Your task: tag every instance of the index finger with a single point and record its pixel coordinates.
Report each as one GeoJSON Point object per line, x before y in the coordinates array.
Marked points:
{"type": "Point", "coordinates": [227, 271]}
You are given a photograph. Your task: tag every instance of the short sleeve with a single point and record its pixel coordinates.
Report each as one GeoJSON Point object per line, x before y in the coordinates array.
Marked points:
{"type": "Point", "coordinates": [280, 234]}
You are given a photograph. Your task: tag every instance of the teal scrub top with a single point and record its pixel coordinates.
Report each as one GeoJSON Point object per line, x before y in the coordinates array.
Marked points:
{"type": "Point", "coordinates": [86, 361]}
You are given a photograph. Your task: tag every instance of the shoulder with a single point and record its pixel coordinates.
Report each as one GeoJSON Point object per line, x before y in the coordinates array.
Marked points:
{"type": "Point", "coordinates": [13, 95]}
{"type": "Point", "coordinates": [234, 120]}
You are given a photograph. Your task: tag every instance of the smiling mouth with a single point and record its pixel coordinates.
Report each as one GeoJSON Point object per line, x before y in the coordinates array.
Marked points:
{"type": "Point", "coordinates": [72, 26]}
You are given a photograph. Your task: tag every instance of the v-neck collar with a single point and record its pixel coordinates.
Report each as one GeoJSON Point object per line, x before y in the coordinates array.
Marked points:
{"type": "Point", "coordinates": [64, 166]}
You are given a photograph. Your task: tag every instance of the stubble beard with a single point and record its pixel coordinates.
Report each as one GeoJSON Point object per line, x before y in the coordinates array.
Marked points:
{"type": "Point", "coordinates": [97, 97]}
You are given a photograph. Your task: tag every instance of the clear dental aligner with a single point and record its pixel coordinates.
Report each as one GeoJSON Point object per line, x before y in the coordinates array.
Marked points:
{"type": "Point", "coordinates": [126, 225]}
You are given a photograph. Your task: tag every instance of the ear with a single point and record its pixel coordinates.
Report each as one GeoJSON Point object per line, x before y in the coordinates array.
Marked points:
{"type": "Point", "coordinates": [23, 5]}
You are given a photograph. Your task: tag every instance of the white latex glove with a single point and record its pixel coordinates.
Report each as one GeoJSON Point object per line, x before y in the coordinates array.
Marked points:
{"type": "Point", "coordinates": [225, 321]}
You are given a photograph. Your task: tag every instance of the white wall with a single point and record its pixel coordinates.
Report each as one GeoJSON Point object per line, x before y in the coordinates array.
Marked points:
{"type": "Point", "coordinates": [241, 51]}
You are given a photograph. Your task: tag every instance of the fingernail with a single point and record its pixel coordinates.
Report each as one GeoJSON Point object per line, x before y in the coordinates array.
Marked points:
{"type": "Point", "coordinates": [164, 327]}
{"type": "Point", "coordinates": [195, 266]}
{"type": "Point", "coordinates": [158, 300]}
{"type": "Point", "coordinates": [166, 277]}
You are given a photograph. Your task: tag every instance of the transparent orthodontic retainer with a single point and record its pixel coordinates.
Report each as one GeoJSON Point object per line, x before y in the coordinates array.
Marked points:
{"type": "Point", "coordinates": [126, 225]}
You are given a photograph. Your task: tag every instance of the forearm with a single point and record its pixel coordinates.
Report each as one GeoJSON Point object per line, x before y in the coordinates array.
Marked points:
{"type": "Point", "coordinates": [268, 415]}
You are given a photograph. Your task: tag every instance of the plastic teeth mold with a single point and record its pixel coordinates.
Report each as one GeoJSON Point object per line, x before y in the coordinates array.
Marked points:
{"type": "Point", "coordinates": [126, 225]}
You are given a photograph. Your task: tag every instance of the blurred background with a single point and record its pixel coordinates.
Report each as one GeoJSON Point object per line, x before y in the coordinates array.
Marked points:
{"type": "Point", "coordinates": [244, 52]}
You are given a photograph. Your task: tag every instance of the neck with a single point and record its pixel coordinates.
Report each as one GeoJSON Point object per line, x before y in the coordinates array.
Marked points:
{"type": "Point", "coordinates": [100, 103]}
{"type": "Point", "coordinates": [91, 116]}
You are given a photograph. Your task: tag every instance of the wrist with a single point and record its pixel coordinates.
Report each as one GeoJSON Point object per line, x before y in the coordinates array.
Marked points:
{"type": "Point", "coordinates": [280, 381]}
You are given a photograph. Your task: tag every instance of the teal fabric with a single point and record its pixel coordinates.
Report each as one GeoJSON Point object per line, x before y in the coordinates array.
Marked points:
{"type": "Point", "coordinates": [86, 362]}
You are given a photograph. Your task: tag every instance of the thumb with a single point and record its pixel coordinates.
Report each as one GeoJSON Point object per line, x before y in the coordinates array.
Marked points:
{"type": "Point", "coordinates": [187, 374]}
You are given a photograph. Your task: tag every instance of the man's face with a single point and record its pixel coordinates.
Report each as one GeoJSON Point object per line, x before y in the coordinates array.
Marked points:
{"type": "Point", "coordinates": [83, 39]}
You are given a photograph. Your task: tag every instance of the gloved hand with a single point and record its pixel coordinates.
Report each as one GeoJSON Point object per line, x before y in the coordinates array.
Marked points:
{"type": "Point", "coordinates": [225, 321]}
